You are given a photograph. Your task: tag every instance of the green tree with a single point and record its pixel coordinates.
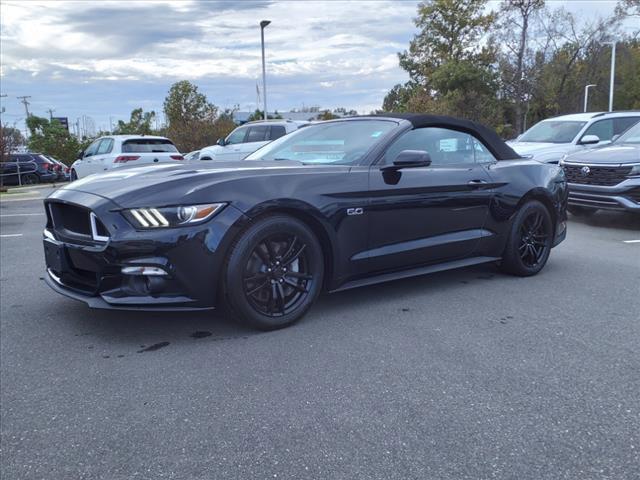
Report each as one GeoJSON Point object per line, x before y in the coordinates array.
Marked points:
{"type": "Point", "coordinates": [140, 123]}
{"type": "Point", "coordinates": [190, 117]}
{"type": "Point", "coordinates": [52, 138]}
{"type": "Point", "coordinates": [451, 70]}
{"type": "Point", "coordinates": [326, 115]}
{"type": "Point", "coordinates": [259, 115]}
{"type": "Point", "coordinates": [513, 32]}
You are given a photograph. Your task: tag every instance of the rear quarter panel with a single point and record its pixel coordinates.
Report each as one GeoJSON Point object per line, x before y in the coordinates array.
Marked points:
{"type": "Point", "coordinates": [516, 182]}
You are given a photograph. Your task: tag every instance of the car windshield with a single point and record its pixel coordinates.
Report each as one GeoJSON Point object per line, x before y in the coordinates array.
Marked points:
{"type": "Point", "coordinates": [552, 131]}
{"type": "Point", "coordinates": [630, 136]}
{"type": "Point", "coordinates": [343, 143]}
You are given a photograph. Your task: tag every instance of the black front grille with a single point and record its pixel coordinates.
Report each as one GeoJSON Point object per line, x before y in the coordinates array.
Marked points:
{"type": "Point", "coordinates": [70, 219]}
{"type": "Point", "coordinates": [633, 194]}
{"type": "Point", "coordinates": [595, 175]}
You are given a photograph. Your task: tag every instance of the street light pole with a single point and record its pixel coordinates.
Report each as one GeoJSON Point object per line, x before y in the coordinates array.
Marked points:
{"type": "Point", "coordinates": [263, 24]}
{"type": "Point", "coordinates": [586, 95]}
{"type": "Point", "coordinates": [613, 73]}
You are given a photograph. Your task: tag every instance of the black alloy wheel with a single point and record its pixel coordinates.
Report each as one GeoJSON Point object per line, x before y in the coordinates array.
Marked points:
{"type": "Point", "coordinates": [274, 272]}
{"type": "Point", "coordinates": [277, 276]}
{"type": "Point", "coordinates": [529, 243]}
{"type": "Point", "coordinates": [534, 239]}
{"type": "Point", "coordinates": [30, 179]}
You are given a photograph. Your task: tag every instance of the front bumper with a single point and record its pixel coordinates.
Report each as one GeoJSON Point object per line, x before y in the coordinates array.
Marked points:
{"type": "Point", "coordinates": [622, 197]}
{"type": "Point", "coordinates": [88, 270]}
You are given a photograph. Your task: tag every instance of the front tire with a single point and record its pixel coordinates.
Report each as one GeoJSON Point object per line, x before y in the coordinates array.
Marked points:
{"type": "Point", "coordinates": [73, 176]}
{"type": "Point", "coordinates": [530, 240]}
{"type": "Point", "coordinates": [581, 211]}
{"type": "Point", "coordinates": [274, 272]}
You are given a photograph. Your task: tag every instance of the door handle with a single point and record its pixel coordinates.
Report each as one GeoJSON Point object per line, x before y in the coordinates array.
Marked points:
{"type": "Point", "coordinates": [476, 183]}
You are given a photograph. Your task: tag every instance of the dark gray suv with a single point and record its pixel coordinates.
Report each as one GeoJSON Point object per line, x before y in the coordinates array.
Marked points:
{"type": "Point", "coordinates": [605, 178]}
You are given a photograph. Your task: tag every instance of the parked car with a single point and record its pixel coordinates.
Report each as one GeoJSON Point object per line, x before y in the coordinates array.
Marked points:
{"type": "Point", "coordinates": [116, 151]}
{"type": "Point", "coordinates": [192, 156]}
{"type": "Point", "coordinates": [336, 205]}
{"type": "Point", "coordinates": [248, 138]}
{"type": "Point", "coordinates": [63, 171]}
{"type": "Point", "coordinates": [549, 140]}
{"type": "Point", "coordinates": [32, 168]}
{"type": "Point", "coordinates": [606, 178]}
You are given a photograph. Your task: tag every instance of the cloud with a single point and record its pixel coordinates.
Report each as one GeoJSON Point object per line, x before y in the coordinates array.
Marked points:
{"type": "Point", "coordinates": [101, 58]}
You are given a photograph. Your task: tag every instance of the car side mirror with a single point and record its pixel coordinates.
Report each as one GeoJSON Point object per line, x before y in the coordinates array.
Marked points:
{"type": "Point", "coordinates": [410, 159]}
{"type": "Point", "coordinates": [221, 142]}
{"type": "Point", "coordinates": [590, 140]}
{"type": "Point", "coordinates": [81, 154]}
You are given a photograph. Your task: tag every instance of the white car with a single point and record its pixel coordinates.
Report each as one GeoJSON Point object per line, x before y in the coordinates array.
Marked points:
{"type": "Point", "coordinates": [549, 140]}
{"type": "Point", "coordinates": [192, 156]}
{"type": "Point", "coordinates": [115, 151]}
{"type": "Point", "coordinates": [248, 138]}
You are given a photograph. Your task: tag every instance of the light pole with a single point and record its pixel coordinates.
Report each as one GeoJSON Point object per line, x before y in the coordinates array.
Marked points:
{"type": "Point", "coordinates": [613, 73]}
{"type": "Point", "coordinates": [586, 95]}
{"type": "Point", "coordinates": [263, 24]}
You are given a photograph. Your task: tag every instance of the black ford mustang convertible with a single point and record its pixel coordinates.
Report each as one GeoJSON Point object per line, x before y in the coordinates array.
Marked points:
{"type": "Point", "coordinates": [336, 205]}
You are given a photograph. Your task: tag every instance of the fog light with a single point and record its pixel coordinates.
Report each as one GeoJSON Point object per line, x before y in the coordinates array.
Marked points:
{"type": "Point", "coordinates": [142, 270]}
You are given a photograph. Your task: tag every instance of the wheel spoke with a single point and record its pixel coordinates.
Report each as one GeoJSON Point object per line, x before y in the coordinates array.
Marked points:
{"type": "Point", "coordinates": [301, 276]}
{"type": "Point", "coordinates": [262, 255]}
{"type": "Point", "coordinates": [258, 288]}
{"type": "Point", "coordinates": [290, 248]}
{"type": "Point", "coordinates": [270, 252]}
{"type": "Point", "coordinates": [255, 277]}
{"type": "Point", "coordinates": [297, 287]}
{"type": "Point", "coordinates": [289, 260]}
{"type": "Point", "coordinates": [281, 296]}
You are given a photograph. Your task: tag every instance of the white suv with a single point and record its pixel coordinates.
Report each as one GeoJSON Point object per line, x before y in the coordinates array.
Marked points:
{"type": "Point", "coordinates": [549, 140]}
{"type": "Point", "coordinates": [122, 150]}
{"type": "Point", "coordinates": [248, 138]}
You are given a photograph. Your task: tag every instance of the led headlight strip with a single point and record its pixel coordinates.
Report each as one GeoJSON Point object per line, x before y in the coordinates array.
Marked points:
{"type": "Point", "coordinates": [149, 217]}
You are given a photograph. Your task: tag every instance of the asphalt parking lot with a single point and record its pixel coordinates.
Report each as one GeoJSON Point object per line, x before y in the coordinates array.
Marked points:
{"type": "Point", "coordinates": [461, 375]}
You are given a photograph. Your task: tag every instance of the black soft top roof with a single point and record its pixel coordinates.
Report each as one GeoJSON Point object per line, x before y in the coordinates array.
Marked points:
{"type": "Point", "coordinates": [488, 136]}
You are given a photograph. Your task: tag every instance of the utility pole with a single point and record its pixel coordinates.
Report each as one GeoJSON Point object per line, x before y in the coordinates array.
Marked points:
{"type": "Point", "coordinates": [110, 125]}
{"type": "Point", "coordinates": [23, 99]}
{"type": "Point", "coordinates": [51, 110]}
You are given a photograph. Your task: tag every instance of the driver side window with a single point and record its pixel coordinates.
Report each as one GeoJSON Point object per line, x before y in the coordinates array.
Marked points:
{"type": "Point", "coordinates": [91, 149]}
{"type": "Point", "coordinates": [445, 146]}
{"type": "Point", "coordinates": [237, 136]}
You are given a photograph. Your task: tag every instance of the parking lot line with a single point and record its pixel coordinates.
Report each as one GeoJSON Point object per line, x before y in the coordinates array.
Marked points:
{"type": "Point", "coordinates": [631, 241]}
{"type": "Point", "coordinates": [21, 214]}
{"type": "Point", "coordinates": [11, 235]}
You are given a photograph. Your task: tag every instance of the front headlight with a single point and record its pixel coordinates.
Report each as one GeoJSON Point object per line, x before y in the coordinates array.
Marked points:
{"type": "Point", "coordinates": [167, 217]}
{"type": "Point", "coordinates": [635, 170]}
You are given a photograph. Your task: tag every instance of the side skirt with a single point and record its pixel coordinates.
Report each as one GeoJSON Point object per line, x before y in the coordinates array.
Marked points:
{"type": "Point", "coordinates": [415, 272]}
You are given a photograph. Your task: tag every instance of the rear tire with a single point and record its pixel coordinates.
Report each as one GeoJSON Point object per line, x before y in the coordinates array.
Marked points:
{"type": "Point", "coordinates": [274, 272]}
{"type": "Point", "coordinates": [529, 243]}
{"type": "Point", "coordinates": [581, 211]}
{"type": "Point", "coordinates": [30, 179]}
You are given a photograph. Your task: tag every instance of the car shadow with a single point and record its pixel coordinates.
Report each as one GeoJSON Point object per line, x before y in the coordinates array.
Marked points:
{"type": "Point", "coordinates": [609, 219]}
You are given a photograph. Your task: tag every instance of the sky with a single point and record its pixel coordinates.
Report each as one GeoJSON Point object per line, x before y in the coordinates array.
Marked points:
{"type": "Point", "coordinates": [102, 59]}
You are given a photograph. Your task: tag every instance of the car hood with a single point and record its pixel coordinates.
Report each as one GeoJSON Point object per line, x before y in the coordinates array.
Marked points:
{"type": "Point", "coordinates": [612, 154]}
{"type": "Point", "coordinates": [542, 151]}
{"type": "Point", "coordinates": [169, 184]}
